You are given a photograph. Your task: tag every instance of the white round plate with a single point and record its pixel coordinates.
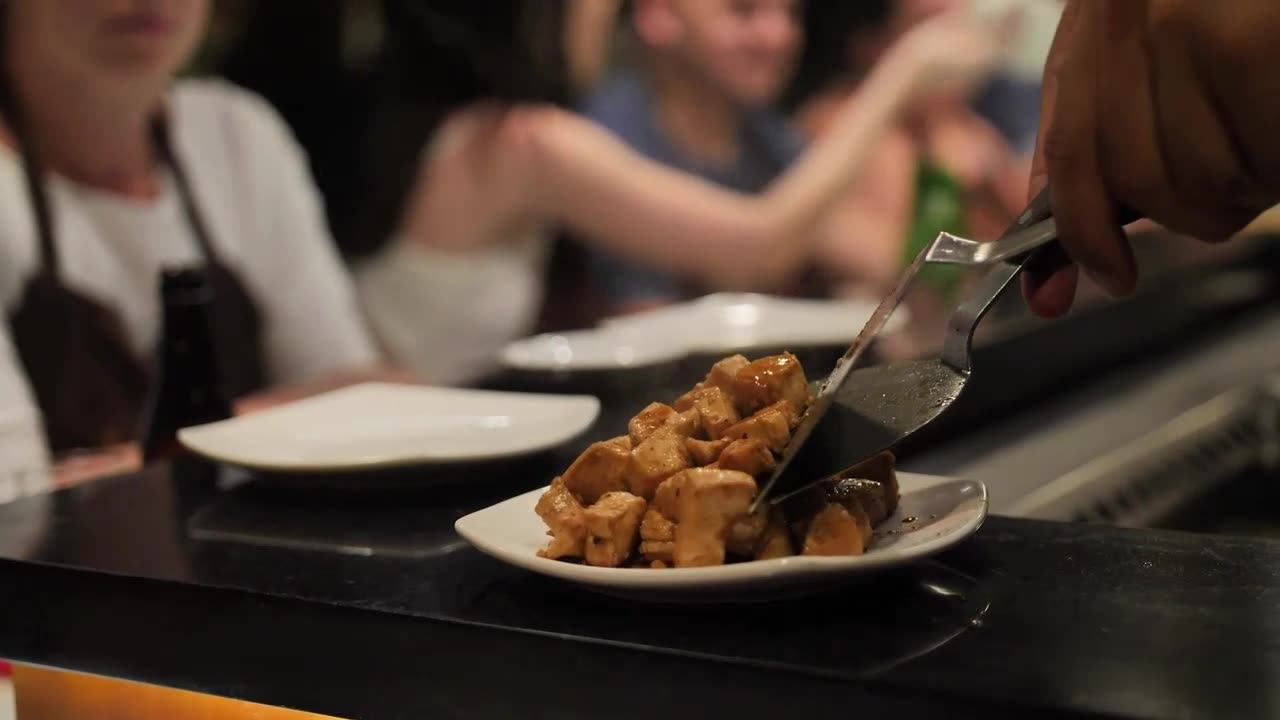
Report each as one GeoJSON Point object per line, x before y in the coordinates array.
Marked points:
{"type": "Point", "coordinates": [720, 323]}
{"type": "Point", "coordinates": [942, 512]}
{"type": "Point", "coordinates": [382, 425]}
{"type": "Point", "coordinates": [739, 322]}
{"type": "Point", "coordinates": [586, 350]}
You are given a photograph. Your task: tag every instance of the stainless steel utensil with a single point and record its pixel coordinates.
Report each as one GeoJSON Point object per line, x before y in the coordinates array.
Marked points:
{"type": "Point", "coordinates": [861, 412]}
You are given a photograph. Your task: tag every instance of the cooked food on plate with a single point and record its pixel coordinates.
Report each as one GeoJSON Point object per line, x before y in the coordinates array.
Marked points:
{"type": "Point", "coordinates": [676, 490]}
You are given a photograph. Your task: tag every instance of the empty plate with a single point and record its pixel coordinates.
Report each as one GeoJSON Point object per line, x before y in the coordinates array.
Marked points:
{"type": "Point", "coordinates": [934, 514]}
{"type": "Point", "coordinates": [722, 323]}
{"type": "Point", "coordinates": [740, 322]}
{"type": "Point", "coordinates": [380, 425]}
{"type": "Point", "coordinates": [588, 350]}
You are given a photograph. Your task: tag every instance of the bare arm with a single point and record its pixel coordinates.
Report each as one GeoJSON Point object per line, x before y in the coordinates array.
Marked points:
{"type": "Point", "coordinates": [542, 163]}
{"type": "Point", "coordinates": [863, 241]}
{"type": "Point", "coordinates": [665, 218]}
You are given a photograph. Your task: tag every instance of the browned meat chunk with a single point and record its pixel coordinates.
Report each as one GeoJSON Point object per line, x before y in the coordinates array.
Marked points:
{"type": "Point", "coordinates": [563, 514]}
{"type": "Point", "coordinates": [708, 503]}
{"type": "Point", "coordinates": [724, 373]}
{"type": "Point", "coordinates": [685, 401]}
{"type": "Point", "coordinates": [749, 456]}
{"type": "Point", "coordinates": [715, 411]}
{"type": "Point", "coordinates": [745, 532]}
{"type": "Point", "coordinates": [686, 424]}
{"type": "Point", "coordinates": [664, 454]}
{"type": "Point", "coordinates": [667, 497]}
{"type": "Point", "coordinates": [771, 426]}
{"type": "Point", "coordinates": [770, 380]}
{"type": "Point", "coordinates": [659, 551]}
{"type": "Point", "coordinates": [657, 531]}
{"type": "Point", "coordinates": [612, 525]}
{"type": "Point", "coordinates": [622, 441]}
{"type": "Point", "coordinates": [870, 495]}
{"type": "Point", "coordinates": [879, 469]}
{"type": "Point", "coordinates": [656, 526]}
{"type": "Point", "coordinates": [704, 452]}
{"type": "Point", "coordinates": [647, 422]}
{"type": "Point", "coordinates": [837, 531]}
{"type": "Point", "coordinates": [775, 541]}
{"type": "Point", "coordinates": [601, 468]}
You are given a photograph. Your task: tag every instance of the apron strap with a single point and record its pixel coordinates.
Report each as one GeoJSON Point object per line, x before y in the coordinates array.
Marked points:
{"type": "Point", "coordinates": [163, 144]}
{"type": "Point", "coordinates": [30, 161]}
{"type": "Point", "coordinates": [39, 196]}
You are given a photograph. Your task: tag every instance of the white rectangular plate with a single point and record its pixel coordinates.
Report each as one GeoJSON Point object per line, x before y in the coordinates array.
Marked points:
{"type": "Point", "coordinates": [377, 425]}
{"type": "Point", "coordinates": [934, 514]}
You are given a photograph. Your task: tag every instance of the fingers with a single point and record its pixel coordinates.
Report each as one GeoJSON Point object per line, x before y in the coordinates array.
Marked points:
{"type": "Point", "coordinates": [1131, 154]}
{"type": "Point", "coordinates": [1049, 90]}
{"type": "Point", "coordinates": [1206, 181]}
{"type": "Point", "coordinates": [1051, 296]}
{"type": "Point", "coordinates": [1087, 225]}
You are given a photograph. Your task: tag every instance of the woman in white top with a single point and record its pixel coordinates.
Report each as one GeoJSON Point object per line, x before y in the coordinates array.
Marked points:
{"type": "Point", "coordinates": [464, 272]}
{"type": "Point", "coordinates": [109, 173]}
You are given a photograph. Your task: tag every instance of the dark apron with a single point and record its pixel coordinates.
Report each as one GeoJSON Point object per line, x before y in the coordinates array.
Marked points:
{"type": "Point", "coordinates": [88, 384]}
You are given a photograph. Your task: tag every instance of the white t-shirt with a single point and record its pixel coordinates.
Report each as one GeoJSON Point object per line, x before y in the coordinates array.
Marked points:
{"type": "Point", "coordinates": [446, 315]}
{"type": "Point", "coordinates": [251, 182]}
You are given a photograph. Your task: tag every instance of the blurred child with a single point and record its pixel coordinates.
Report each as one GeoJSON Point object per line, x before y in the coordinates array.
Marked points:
{"type": "Point", "coordinates": [699, 97]}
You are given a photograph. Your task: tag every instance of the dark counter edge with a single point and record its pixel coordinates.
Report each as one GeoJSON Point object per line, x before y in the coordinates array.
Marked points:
{"type": "Point", "coordinates": [356, 663]}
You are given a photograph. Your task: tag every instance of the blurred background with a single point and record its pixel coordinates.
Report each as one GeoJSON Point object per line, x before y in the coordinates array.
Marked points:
{"type": "Point", "coordinates": [364, 83]}
{"type": "Point", "coordinates": [497, 176]}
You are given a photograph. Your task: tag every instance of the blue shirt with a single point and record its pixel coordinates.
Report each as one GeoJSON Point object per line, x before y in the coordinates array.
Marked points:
{"type": "Point", "coordinates": [1012, 106]}
{"type": "Point", "coordinates": [625, 105]}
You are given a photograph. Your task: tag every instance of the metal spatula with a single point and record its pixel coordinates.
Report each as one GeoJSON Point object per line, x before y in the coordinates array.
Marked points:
{"type": "Point", "coordinates": [859, 413]}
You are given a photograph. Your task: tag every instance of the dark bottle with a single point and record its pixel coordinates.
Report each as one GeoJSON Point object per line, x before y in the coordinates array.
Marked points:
{"type": "Point", "coordinates": [187, 388]}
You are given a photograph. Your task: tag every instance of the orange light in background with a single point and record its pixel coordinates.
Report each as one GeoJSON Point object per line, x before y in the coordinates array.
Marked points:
{"type": "Point", "coordinates": [45, 694]}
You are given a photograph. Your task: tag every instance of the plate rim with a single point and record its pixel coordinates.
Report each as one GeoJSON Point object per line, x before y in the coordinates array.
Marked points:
{"type": "Point", "coordinates": [681, 351]}
{"type": "Point", "coordinates": [693, 579]}
{"type": "Point", "coordinates": [667, 355]}
{"type": "Point", "coordinates": [189, 437]}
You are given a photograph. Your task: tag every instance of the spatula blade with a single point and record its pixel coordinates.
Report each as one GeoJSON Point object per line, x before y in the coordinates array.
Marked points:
{"type": "Point", "coordinates": [840, 376]}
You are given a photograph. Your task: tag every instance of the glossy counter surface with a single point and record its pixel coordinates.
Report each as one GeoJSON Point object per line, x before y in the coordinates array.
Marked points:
{"type": "Point", "coordinates": [368, 606]}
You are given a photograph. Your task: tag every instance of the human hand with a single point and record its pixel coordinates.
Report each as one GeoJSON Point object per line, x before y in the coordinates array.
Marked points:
{"type": "Point", "coordinates": [950, 53]}
{"type": "Point", "coordinates": [1167, 107]}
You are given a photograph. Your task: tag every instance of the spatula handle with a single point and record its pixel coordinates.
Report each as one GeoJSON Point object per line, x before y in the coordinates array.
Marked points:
{"type": "Point", "coordinates": [1047, 257]}
{"type": "Point", "coordinates": [1050, 257]}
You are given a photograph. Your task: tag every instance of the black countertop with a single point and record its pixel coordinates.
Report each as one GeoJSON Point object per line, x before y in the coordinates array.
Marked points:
{"type": "Point", "coordinates": [368, 606]}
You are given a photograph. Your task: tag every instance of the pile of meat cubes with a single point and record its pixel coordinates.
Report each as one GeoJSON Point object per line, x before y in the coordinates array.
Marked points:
{"type": "Point", "coordinates": [677, 489]}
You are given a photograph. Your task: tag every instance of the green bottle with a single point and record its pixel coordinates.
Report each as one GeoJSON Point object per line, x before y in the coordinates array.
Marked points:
{"type": "Point", "coordinates": [939, 207]}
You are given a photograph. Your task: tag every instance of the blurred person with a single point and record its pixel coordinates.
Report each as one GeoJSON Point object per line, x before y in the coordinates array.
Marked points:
{"type": "Point", "coordinates": [940, 167]}
{"type": "Point", "coordinates": [699, 97]}
{"type": "Point", "coordinates": [472, 165]}
{"type": "Point", "coordinates": [1010, 100]}
{"type": "Point", "coordinates": [112, 171]}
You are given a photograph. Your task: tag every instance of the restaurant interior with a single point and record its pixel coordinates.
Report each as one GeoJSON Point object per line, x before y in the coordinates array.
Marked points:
{"type": "Point", "coordinates": [436, 358]}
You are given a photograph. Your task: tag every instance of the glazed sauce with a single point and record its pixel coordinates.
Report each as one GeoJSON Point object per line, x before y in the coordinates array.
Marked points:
{"type": "Point", "coordinates": [760, 373]}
